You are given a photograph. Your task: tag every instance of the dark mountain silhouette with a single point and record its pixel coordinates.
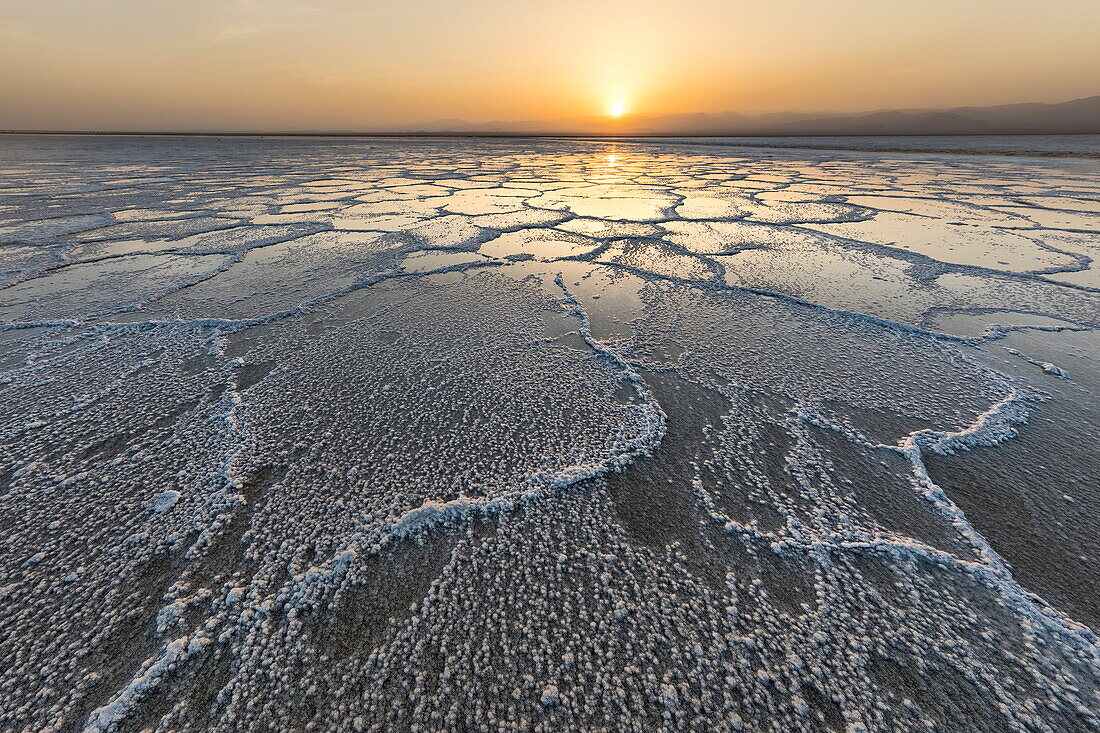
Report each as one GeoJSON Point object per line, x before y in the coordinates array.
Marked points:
{"type": "Point", "coordinates": [1077, 116]}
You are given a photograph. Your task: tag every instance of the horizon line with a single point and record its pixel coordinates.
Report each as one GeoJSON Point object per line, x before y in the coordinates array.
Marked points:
{"type": "Point", "coordinates": [570, 135]}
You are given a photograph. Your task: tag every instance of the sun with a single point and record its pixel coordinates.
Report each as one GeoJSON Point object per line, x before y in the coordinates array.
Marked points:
{"type": "Point", "coordinates": [616, 108]}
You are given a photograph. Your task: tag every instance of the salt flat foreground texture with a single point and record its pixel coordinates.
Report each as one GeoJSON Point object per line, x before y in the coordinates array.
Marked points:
{"type": "Point", "coordinates": [536, 435]}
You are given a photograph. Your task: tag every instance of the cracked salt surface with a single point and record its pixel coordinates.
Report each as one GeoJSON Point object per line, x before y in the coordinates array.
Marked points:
{"type": "Point", "coordinates": [545, 435]}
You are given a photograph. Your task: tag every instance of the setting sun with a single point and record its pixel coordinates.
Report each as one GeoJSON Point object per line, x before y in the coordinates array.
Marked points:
{"type": "Point", "coordinates": [616, 108]}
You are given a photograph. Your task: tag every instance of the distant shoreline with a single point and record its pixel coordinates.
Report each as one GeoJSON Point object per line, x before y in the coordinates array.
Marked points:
{"type": "Point", "coordinates": [568, 135]}
{"type": "Point", "coordinates": [932, 144]}
{"type": "Point", "coordinates": [1020, 153]}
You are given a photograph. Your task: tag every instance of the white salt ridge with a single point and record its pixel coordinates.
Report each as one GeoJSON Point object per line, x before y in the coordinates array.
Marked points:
{"type": "Point", "coordinates": [992, 427]}
{"type": "Point", "coordinates": [108, 717]}
{"type": "Point", "coordinates": [1046, 366]}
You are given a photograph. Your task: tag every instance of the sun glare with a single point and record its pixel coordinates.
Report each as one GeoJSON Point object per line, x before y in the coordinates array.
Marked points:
{"type": "Point", "coordinates": [616, 108]}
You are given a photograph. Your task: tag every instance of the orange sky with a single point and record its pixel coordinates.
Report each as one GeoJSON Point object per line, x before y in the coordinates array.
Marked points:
{"type": "Point", "coordinates": [346, 64]}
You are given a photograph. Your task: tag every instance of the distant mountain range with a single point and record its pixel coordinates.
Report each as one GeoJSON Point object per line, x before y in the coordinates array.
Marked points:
{"type": "Point", "coordinates": [1077, 116]}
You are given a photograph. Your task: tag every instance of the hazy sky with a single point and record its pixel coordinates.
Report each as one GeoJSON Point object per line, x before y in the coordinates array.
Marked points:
{"type": "Point", "coordinates": [347, 64]}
